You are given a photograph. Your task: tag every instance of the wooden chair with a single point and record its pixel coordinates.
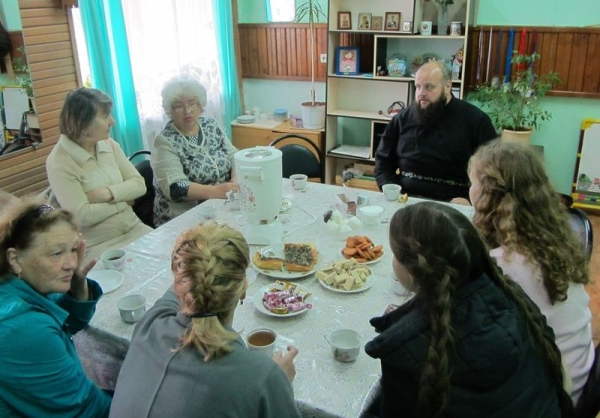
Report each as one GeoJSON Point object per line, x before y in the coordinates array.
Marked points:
{"type": "Point", "coordinates": [301, 159]}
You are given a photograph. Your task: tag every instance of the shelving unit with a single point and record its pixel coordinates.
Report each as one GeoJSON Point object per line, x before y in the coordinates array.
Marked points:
{"type": "Point", "coordinates": [357, 104]}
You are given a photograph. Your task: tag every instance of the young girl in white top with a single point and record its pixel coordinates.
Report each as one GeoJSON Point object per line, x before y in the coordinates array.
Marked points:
{"type": "Point", "coordinates": [521, 217]}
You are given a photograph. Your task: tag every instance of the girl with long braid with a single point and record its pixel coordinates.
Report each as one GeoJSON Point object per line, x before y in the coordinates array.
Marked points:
{"type": "Point", "coordinates": [185, 359]}
{"type": "Point", "coordinates": [520, 217]}
{"type": "Point", "coordinates": [470, 343]}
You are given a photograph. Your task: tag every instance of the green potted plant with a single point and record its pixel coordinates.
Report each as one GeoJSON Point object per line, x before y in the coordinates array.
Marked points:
{"type": "Point", "coordinates": [23, 76]}
{"type": "Point", "coordinates": [313, 112]}
{"type": "Point", "coordinates": [514, 106]}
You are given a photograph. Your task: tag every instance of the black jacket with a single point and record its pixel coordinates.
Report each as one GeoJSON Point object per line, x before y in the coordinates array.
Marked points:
{"type": "Point", "coordinates": [439, 150]}
{"type": "Point", "coordinates": [495, 371]}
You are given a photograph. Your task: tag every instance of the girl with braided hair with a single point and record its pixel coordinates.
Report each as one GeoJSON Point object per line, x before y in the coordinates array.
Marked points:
{"type": "Point", "coordinates": [185, 359]}
{"type": "Point", "coordinates": [470, 343]}
{"type": "Point", "coordinates": [520, 216]}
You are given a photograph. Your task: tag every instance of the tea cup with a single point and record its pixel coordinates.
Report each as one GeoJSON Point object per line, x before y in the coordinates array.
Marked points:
{"type": "Point", "coordinates": [262, 340]}
{"type": "Point", "coordinates": [345, 345]}
{"type": "Point", "coordinates": [132, 307]}
{"type": "Point", "coordinates": [299, 181]}
{"type": "Point", "coordinates": [391, 191]}
{"type": "Point", "coordinates": [114, 259]}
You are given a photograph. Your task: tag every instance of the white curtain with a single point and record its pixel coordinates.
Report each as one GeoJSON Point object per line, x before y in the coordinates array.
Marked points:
{"type": "Point", "coordinates": [166, 38]}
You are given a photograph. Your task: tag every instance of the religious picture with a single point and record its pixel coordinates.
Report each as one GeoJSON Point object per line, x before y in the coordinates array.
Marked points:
{"type": "Point", "coordinates": [392, 21]}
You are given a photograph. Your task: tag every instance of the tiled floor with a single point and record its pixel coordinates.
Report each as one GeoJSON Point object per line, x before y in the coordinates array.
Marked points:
{"type": "Point", "coordinates": [594, 288]}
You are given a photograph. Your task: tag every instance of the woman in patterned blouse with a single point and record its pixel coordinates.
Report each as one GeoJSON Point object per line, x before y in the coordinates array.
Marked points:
{"type": "Point", "coordinates": [192, 157]}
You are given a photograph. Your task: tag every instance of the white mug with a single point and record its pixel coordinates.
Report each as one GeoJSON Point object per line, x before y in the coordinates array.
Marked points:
{"type": "Point", "coordinates": [345, 345]}
{"type": "Point", "coordinates": [262, 340]}
{"type": "Point", "coordinates": [132, 307]}
{"type": "Point", "coordinates": [391, 191]}
{"type": "Point", "coordinates": [455, 28]}
{"type": "Point", "coordinates": [114, 259]}
{"type": "Point", "coordinates": [299, 181]}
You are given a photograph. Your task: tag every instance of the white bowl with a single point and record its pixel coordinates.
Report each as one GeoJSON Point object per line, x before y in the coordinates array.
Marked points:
{"type": "Point", "coordinates": [370, 214]}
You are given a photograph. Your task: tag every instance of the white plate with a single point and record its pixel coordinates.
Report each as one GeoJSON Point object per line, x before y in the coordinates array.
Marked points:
{"type": "Point", "coordinates": [258, 300]}
{"type": "Point", "coordinates": [283, 274]}
{"type": "Point", "coordinates": [246, 119]}
{"type": "Point", "coordinates": [108, 280]}
{"type": "Point", "coordinates": [366, 262]}
{"type": "Point", "coordinates": [368, 284]}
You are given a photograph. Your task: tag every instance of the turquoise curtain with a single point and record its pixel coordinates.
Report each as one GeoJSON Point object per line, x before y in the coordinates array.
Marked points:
{"type": "Point", "coordinates": [225, 45]}
{"type": "Point", "coordinates": [104, 27]}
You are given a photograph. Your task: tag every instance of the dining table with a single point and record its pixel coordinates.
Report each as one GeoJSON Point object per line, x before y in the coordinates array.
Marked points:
{"type": "Point", "coordinates": [323, 386]}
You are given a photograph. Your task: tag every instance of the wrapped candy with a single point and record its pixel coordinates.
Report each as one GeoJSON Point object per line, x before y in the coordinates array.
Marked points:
{"type": "Point", "coordinates": [286, 300]}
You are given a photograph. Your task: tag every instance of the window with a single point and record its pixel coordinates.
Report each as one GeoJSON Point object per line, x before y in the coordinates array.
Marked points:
{"type": "Point", "coordinates": [280, 10]}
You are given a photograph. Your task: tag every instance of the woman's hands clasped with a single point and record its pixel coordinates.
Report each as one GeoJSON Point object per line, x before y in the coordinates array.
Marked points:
{"type": "Point", "coordinates": [286, 361]}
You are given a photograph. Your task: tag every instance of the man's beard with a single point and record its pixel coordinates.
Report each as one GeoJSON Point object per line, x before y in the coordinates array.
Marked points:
{"type": "Point", "coordinates": [426, 116]}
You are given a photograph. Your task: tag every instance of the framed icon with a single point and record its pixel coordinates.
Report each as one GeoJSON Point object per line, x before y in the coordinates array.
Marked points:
{"type": "Point", "coordinates": [344, 20]}
{"type": "Point", "coordinates": [364, 21]}
{"type": "Point", "coordinates": [346, 60]}
{"type": "Point", "coordinates": [407, 26]}
{"type": "Point", "coordinates": [392, 21]}
{"type": "Point", "coordinates": [377, 23]}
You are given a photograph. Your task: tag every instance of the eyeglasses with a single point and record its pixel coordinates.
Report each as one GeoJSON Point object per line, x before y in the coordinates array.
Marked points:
{"type": "Point", "coordinates": [181, 107]}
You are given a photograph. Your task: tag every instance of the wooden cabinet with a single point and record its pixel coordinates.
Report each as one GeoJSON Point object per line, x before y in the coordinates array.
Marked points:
{"type": "Point", "coordinates": [357, 105]}
{"type": "Point", "coordinates": [265, 132]}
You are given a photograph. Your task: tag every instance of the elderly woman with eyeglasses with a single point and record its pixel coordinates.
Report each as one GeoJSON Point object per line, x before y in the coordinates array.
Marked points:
{"type": "Point", "coordinates": [192, 157]}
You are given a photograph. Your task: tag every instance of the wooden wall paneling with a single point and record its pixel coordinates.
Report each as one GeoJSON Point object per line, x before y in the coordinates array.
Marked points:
{"type": "Point", "coordinates": [47, 36]}
{"type": "Point", "coordinates": [574, 53]}
{"type": "Point", "coordinates": [320, 48]}
{"type": "Point", "coordinates": [290, 41]}
{"type": "Point", "coordinates": [281, 51]}
{"type": "Point", "coordinates": [577, 61]}
{"type": "Point", "coordinates": [591, 75]}
{"type": "Point", "coordinates": [562, 63]}
{"type": "Point", "coordinates": [262, 53]}
{"type": "Point", "coordinates": [301, 53]}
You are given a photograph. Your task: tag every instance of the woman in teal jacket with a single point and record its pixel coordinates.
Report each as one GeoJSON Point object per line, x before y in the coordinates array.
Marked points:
{"type": "Point", "coordinates": [45, 298]}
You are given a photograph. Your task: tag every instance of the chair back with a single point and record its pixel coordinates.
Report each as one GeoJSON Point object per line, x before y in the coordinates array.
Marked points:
{"type": "Point", "coordinates": [300, 158]}
{"type": "Point", "coordinates": [588, 405]}
{"type": "Point", "coordinates": [144, 205]}
{"type": "Point", "coordinates": [582, 227]}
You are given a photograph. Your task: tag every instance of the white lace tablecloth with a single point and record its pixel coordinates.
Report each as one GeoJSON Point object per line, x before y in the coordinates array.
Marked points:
{"type": "Point", "coordinates": [323, 386]}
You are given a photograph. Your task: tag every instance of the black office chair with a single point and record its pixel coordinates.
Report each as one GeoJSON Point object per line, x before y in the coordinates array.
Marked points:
{"type": "Point", "coordinates": [12, 146]}
{"type": "Point", "coordinates": [582, 227]}
{"type": "Point", "coordinates": [144, 205]}
{"type": "Point", "coordinates": [580, 224]}
{"type": "Point", "coordinates": [588, 405]}
{"type": "Point", "coordinates": [300, 159]}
